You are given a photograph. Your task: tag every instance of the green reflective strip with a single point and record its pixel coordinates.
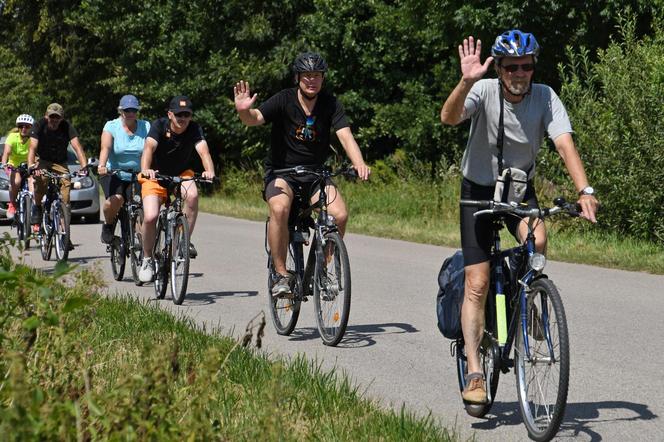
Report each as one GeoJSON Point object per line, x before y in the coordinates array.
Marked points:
{"type": "Point", "coordinates": [501, 319]}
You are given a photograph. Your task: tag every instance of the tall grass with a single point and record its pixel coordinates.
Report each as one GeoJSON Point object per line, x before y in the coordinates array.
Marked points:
{"type": "Point", "coordinates": [76, 366]}
{"type": "Point", "coordinates": [413, 207]}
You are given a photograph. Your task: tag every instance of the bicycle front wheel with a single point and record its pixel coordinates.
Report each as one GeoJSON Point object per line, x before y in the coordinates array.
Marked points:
{"type": "Point", "coordinates": [118, 258]}
{"type": "Point", "coordinates": [332, 289]}
{"type": "Point", "coordinates": [136, 244]}
{"type": "Point", "coordinates": [25, 205]}
{"type": "Point", "coordinates": [180, 259]}
{"type": "Point", "coordinates": [542, 361]}
{"type": "Point", "coordinates": [61, 232]}
{"type": "Point", "coordinates": [161, 256]}
{"type": "Point", "coordinates": [285, 309]}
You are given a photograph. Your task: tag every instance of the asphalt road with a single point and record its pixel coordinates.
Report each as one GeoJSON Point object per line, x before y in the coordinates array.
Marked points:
{"type": "Point", "coordinates": [393, 349]}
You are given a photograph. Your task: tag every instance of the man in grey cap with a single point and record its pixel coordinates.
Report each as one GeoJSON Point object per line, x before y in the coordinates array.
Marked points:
{"type": "Point", "coordinates": [50, 137]}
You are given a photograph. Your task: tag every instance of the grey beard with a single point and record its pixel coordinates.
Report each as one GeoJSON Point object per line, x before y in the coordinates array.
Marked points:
{"type": "Point", "coordinates": [519, 89]}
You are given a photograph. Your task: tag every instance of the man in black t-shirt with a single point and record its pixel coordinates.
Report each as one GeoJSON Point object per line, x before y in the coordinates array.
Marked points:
{"type": "Point", "coordinates": [168, 150]}
{"type": "Point", "coordinates": [301, 119]}
{"type": "Point", "coordinates": [50, 138]}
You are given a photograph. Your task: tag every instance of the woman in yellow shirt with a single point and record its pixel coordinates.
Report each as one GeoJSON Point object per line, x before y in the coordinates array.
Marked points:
{"type": "Point", "coordinates": [15, 153]}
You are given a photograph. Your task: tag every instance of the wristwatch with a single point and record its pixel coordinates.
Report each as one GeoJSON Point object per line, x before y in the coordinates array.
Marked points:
{"type": "Point", "coordinates": [587, 191]}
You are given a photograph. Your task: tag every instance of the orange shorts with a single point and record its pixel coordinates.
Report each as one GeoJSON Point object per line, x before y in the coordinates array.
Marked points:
{"type": "Point", "coordinates": [152, 187]}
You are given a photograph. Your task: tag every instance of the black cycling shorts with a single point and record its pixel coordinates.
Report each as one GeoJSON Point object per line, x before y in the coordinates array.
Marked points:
{"type": "Point", "coordinates": [304, 186]}
{"type": "Point", "coordinates": [113, 185]}
{"type": "Point", "coordinates": [477, 233]}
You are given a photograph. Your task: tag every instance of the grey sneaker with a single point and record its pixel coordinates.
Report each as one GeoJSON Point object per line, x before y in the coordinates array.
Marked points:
{"type": "Point", "coordinates": [282, 286]}
{"type": "Point", "coordinates": [147, 271]}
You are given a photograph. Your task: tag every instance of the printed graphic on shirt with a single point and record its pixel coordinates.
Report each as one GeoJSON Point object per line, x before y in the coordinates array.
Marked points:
{"type": "Point", "coordinates": [308, 132]}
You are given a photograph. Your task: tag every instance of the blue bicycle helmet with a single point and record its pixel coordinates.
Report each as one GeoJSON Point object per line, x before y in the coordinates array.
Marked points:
{"type": "Point", "coordinates": [515, 43]}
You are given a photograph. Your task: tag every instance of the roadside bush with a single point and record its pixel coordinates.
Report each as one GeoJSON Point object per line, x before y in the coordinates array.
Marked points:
{"type": "Point", "coordinates": [617, 108]}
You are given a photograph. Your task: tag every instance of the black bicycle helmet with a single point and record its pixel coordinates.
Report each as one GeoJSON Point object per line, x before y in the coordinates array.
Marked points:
{"type": "Point", "coordinates": [309, 62]}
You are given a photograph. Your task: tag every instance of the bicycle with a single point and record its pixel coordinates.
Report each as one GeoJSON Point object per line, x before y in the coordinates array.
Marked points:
{"type": "Point", "coordinates": [326, 275]}
{"type": "Point", "coordinates": [127, 231]}
{"type": "Point", "coordinates": [537, 326]}
{"type": "Point", "coordinates": [171, 248]}
{"type": "Point", "coordinates": [55, 225]}
{"type": "Point", "coordinates": [24, 201]}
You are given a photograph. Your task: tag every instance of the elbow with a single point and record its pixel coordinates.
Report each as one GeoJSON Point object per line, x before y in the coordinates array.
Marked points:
{"type": "Point", "coordinates": [448, 119]}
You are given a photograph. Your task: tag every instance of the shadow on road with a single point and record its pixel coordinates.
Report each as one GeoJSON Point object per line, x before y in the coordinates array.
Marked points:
{"type": "Point", "coordinates": [579, 419]}
{"type": "Point", "coordinates": [211, 297]}
{"type": "Point", "coordinates": [356, 336]}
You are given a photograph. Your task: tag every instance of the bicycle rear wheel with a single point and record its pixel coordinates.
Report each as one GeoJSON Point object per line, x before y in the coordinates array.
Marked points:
{"type": "Point", "coordinates": [180, 259]}
{"type": "Point", "coordinates": [136, 244]}
{"type": "Point", "coordinates": [332, 289]}
{"type": "Point", "coordinates": [542, 380]}
{"type": "Point", "coordinates": [285, 309]}
{"type": "Point", "coordinates": [25, 209]}
{"type": "Point", "coordinates": [488, 353]}
{"type": "Point", "coordinates": [161, 262]}
{"type": "Point", "coordinates": [61, 232]}
{"type": "Point", "coordinates": [118, 258]}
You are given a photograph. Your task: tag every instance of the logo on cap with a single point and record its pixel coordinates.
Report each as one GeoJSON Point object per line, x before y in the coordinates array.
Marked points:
{"type": "Point", "coordinates": [183, 103]}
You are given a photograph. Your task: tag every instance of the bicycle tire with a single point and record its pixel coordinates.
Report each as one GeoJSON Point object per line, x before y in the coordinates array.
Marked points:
{"type": "Point", "coordinates": [488, 360]}
{"type": "Point", "coordinates": [46, 237]}
{"type": "Point", "coordinates": [118, 258]}
{"type": "Point", "coordinates": [285, 310]}
{"type": "Point", "coordinates": [179, 259]}
{"type": "Point", "coordinates": [61, 231]}
{"type": "Point", "coordinates": [136, 244]}
{"type": "Point", "coordinates": [25, 206]}
{"type": "Point", "coordinates": [161, 260]}
{"type": "Point", "coordinates": [332, 289]}
{"type": "Point", "coordinates": [542, 385]}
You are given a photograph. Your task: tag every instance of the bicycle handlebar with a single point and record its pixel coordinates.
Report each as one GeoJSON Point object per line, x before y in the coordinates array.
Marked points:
{"type": "Point", "coordinates": [325, 172]}
{"type": "Point", "coordinates": [180, 179]}
{"type": "Point", "coordinates": [498, 208]}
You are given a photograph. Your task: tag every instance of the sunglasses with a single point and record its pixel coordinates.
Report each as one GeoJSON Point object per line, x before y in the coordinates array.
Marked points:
{"type": "Point", "coordinates": [130, 111]}
{"type": "Point", "coordinates": [183, 114]}
{"type": "Point", "coordinates": [55, 117]}
{"type": "Point", "coordinates": [528, 67]}
{"type": "Point", "coordinates": [24, 126]}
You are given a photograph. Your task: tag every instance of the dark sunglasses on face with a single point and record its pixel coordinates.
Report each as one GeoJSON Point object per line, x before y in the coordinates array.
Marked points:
{"type": "Point", "coordinates": [129, 111]}
{"type": "Point", "coordinates": [183, 114]}
{"type": "Point", "coordinates": [528, 67]}
{"type": "Point", "coordinates": [54, 117]}
{"type": "Point", "coordinates": [24, 126]}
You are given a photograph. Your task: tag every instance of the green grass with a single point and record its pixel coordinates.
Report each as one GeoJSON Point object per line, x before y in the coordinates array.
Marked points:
{"type": "Point", "coordinates": [417, 211]}
{"type": "Point", "coordinates": [77, 366]}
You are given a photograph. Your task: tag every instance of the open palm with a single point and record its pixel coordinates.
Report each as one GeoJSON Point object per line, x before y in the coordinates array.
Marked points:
{"type": "Point", "coordinates": [243, 99]}
{"type": "Point", "coordinates": [469, 54]}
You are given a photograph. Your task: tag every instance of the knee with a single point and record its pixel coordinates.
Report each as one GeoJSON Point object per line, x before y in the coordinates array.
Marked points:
{"type": "Point", "coordinates": [279, 212]}
{"type": "Point", "coordinates": [341, 216]}
{"type": "Point", "coordinates": [150, 218]}
{"type": "Point", "coordinates": [540, 244]}
{"type": "Point", "coordinates": [477, 287]}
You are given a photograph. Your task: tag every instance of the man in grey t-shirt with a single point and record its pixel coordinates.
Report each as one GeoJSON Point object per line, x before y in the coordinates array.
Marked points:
{"type": "Point", "coordinates": [529, 110]}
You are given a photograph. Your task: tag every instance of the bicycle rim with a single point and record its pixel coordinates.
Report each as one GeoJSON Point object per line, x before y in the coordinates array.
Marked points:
{"type": "Point", "coordinates": [332, 290]}
{"type": "Point", "coordinates": [488, 361]}
{"type": "Point", "coordinates": [180, 259]}
{"type": "Point", "coordinates": [117, 249]}
{"type": "Point", "coordinates": [542, 381]}
{"type": "Point", "coordinates": [24, 219]}
{"type": "Point", "coordinates": [61, 232]}
{"type": "Point", "coordinates": [285, 310]}
{"type": "Point", "coordinates": [46, 238]}
{"type": "Point", "coordinates": [160, 256]}
{"type": "Point", "coordinates": [136, 244]}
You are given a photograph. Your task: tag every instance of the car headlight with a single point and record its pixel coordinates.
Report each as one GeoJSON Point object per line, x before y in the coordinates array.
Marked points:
{"type": "Point", "coordinates": [4, 184]}
{"type": "Point", "coordinates": [85, 182]}
{"type": "Point", "coordinates": [537, 262]}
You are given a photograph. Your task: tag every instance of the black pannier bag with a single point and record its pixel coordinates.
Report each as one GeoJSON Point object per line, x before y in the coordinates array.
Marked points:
{"type": "Point", "coordinates": [451, 280]}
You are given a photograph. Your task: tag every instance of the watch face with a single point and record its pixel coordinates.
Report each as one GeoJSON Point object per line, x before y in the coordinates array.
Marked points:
{"type": "Point", "coordinates": [588, 191]}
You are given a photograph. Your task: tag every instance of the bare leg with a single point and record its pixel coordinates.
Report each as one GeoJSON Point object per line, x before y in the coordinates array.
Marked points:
{"type": "Point", "coordinates": [279, 197]}
{"type": "Point", "coordinates": [151, 204]}
{"type": "Point", "coordinates": [111, 207]}
{"type": "Point", "coordinates": [472, 311]}
{"type": "Point", "coordinates": [190, 209]}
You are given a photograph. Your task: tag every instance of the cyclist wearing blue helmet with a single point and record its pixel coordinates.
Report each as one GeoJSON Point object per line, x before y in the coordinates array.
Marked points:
{"type": "Point", "coordinates": [509, 117]}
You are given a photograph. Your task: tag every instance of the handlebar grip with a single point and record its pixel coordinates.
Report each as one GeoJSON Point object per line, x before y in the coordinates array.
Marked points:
{"type": "Point", "coordinates": [476, 203]}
